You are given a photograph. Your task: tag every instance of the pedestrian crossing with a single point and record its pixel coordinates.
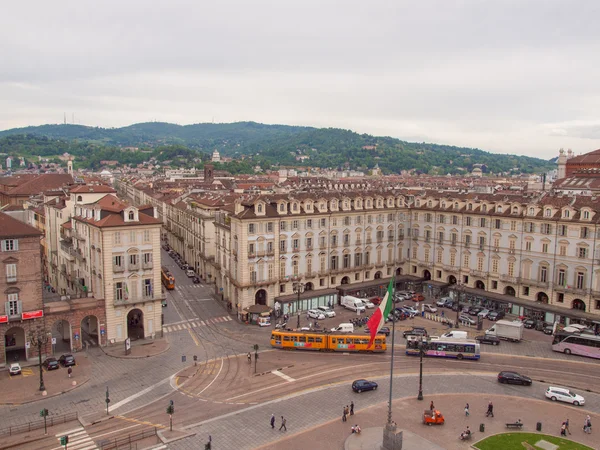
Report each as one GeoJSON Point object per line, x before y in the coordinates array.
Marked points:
{"type": "Point", "coordinates": [185, 286]}
{"type": "Point", "coordinates": [78, 439]}
{"type": "Point", "coordinates": [195, 323]}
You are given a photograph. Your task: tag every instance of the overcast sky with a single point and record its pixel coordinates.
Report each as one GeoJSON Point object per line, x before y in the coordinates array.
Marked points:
{"type": "Point", "coordinates": [506, 76]}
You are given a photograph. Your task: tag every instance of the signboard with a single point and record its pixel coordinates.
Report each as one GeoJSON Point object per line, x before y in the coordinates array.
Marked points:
{"type": "Point", "coordinates": [32, 314]}
{"type": "Point", "coordinates": [53, 341]}
{"type": "Point", "coordinates": [102, 331]}
{"type": "Point", "coordinates": [76, 336]}
{"type": "Point", "coordinates": [27, 345]}
{"type": "Point", "coordinates": [3, 319]}
{"type": "Point", "coordinates": [128, 344]}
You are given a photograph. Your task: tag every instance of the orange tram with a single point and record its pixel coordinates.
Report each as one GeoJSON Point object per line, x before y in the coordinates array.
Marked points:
{"type": "Point", "coordinates": [325, 341]}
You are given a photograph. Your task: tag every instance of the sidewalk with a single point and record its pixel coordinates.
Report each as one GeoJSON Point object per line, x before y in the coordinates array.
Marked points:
{"type": "Point", "coordinates": [25, 388]}
{"type": "Point", "coordinates": [141, 348]}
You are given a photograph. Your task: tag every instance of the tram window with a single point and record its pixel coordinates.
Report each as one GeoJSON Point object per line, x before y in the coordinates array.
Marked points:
{"type": "Point", "coordinates": [318, 339]}
{"type": "Point", "coordinates": [301, 338]}
{"type": "Point", "coordinates": [311, 339]}
{"type": "Point", "coordinates": [333, 340]}
{"type": "Point", "coordinates": [273, 336]}
{"type": "Point", "coordinates": [364, 341]}
{"type": "Point", "coordinates": [441, 348]}
{"type": "Point", "coordinates": [295, 338]}
{"type": "Point", "coordinates": [378, 342]}
{"type": "Point", "coordinates": [287, 338]}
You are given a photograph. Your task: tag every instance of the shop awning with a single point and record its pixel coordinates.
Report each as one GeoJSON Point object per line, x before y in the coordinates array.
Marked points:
{"type": "Point", "coordinates": [306, 294]}
{"type": "Point", "coordinates": [258, 309]}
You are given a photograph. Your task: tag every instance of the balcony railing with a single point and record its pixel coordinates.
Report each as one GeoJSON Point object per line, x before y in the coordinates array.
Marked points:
{"type": "Point", "coordinates": [508, 278]}
{"type": "Point", "coordinates": [449, 268]}
{"type": "Point", "coordinates": [117, 268]}
{"type": "Point", "coordinates": [138, 299]}
{"type": "Point", "coordinates": [133, 267]}
{"type": "Point", "coordinates": [147, 265]}
{"type": "Point", "coordinates": [478, 273]}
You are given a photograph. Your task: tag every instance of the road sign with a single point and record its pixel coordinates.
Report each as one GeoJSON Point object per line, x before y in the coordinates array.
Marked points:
{"type": "Point", "coordinates": [102, 331]}
{"type": "Point", "coordinates": [128, 344]}
{"type": "Point", "coordinates": [53, 341]}
{"type": "Point", "coordinates": [76, 336]}
{"type": "Point", "coordinates": [27, 345]}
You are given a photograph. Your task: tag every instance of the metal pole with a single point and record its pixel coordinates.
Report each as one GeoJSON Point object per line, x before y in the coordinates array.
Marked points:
{"type": "Point", "coordinates": [458, 307]}
{"type": "Point", "coordinates": [45, 427]}
{"type": "Point", "coordinates": [389, 421]}
{"type": "Point", "coordinates": [39, 342]}
{"type": "Point", "coordinates": [170, 422]}
{"type": "Point", "coordinates": [420, 396]}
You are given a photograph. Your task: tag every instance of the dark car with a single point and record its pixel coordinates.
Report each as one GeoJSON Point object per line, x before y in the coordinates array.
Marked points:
{"type": "Point", "coordinates": [496, 315]}
{"type": "Point", "coordinates": [548, 329]}
{"type": "Point", "coordinates": [514, 378]}
{"type": "Point", "coordinates": [529, 323]}
{"type": "Point", "coordinates": [415, 331]}
{"type": "Point", "coordinates": [473, 311]}
{"type": "Point", "coordinates": [51, 364]}
{"type": "Point", "coordinates": [196, 280]}
{"type": "Point", "coordinates": [488, 339]}
{"type": "Point", "coordinates": [383, 330]}
{"type": "Point", "coordinates": [363, 385]}
{"type": "Point", "coordinates": [66, 360]}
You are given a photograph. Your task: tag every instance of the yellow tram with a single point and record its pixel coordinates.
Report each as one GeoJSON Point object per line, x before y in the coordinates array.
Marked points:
{"type": "Point", "coordinates": [324, 341]}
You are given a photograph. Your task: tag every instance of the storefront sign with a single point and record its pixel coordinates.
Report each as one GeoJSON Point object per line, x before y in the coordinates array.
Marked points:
{"type": "Point", "coordinates": [3, 319]}
{"type": "Point", "coordinates": [32, 314]}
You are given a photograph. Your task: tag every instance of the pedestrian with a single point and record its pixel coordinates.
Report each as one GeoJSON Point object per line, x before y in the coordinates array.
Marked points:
{"type": "Point", "coordinates": [344, 415]}
{"type": "Point", "coordinates": [567, 426]}
{"type": "Point", "coordinates": [70, 371]}
{"type": "Point", "coordinates": [563, 429]}
{"type": "Point", "coordinates": [467, 410]}
{"type": "Point", "coordinates": [273, 421]}
{"type": "Point", "coordinates": [283, 424]}
{"type": "Point", "coordinates": [351, 408]}
{"type": "Point", "coordinates": [490, 410]}
{"type": "Point", "coordinates": [587, 425]}
{"type": "Point", "coordinates": [249, 357]}
{"type": "Point", "coordinates": [431, 407]}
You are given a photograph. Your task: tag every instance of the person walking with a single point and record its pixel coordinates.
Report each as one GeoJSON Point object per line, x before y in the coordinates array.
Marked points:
{"type": "Point", "coordinates": [344, 414]}
{"type": "Point", "coordinates": [567, 426]}
{"type": "Point", "coordinates": [69, 371]}
{"type": "Point", "coordinates": [467, 410]}
{"type": "Point", "coordinates": [490, 410]}
{"type": "Point", "coordinates": [283, 424]}
{"type": "Point", "coordinates": [273, 421]}
{"type": "Point", "coordinates": [587, 425]}
{"type": "Point", "coordinates": [249, 357]}
{"type": "Point", "coordinates": [431, 406]}
{"type": "Point", "coordinates": [563, 429]}
{"type": "Point", "coordinates": [352, 408]}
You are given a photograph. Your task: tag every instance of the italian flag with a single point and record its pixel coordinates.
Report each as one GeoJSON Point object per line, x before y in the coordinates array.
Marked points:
{"type": "Point", "coordinates": [377, 320]}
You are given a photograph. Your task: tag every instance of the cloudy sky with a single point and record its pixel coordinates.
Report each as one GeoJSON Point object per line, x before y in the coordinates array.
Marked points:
{"type": "Point", "coordinates": [506, 76]}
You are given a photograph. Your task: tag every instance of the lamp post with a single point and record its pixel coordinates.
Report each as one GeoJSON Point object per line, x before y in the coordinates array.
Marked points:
{"type": "Point", "coordinates": [39, 337]}
{"type": "Point", "coordinates": [420, 395]}
{"type": "Point", "coordinates": [459, 289]}
{"type": "Point", "coordinates": [298, 289]}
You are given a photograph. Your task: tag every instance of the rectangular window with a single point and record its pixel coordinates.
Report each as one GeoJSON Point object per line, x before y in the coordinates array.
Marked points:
{"type": "Point", "coordinates": [269, 227]}
{"type": "Point", "coordinates": [545, 247]}
{"type": "Point", "coordinates": [10, 245]}
{"type": "Point", "coordinates": [323, 223]}
{"type": "Point", "coordinates": [562, 277]}
{"type": "Point", "coordinates": [146, 235]}
{"type": "Point", "coordinates": [346, 261]}
{"type": "Point", "coordinates": [468, 221]}
{"type": "Point", "coordinates": [513, 225]}
{"type": "Point", "coordinates": [357, 259]}
{"type": "Point", "coordinates": [296, 244]}
{"type": "Point", "coordinates": [334, 263]}
{"type": "Point", "coordinates": [334, 240]}
{"type": "Point", "coordinates": [497, 224]}
{"type": "Point", "coordinates": [251, 249]}
{"type": "Point", "coordinates": [582, 252]}
{"type": "Point", "coordinates": [454, 220]}
{"type": "Point", "coordinates": [13, 306]}
{"type": "Point", "coordinates": [118, 290]}
{"type": "Point", "coordinates": [117, 238]}
{"type": "Point", "coordinates": [528, 246]}
{"type": "Point", "coordinates": [495, 265]}
{"type": "Point", "coordinates": [132, 237]}
{"type": "Point", "coordinates": [11, 273]}
{"type": "Point", "coordinates": [118, 261]}
{"type": "Point", "coordinates": [309, 224]}
{"type": "Point", "coordinates": [482, 222]}
{"type": "Point", "coordinates": [584, 233]}
{"type": "Point", "coordinates": [580, 280]}
{"type": "Point", "coordinates": [147, 258]}
{"type": "Point", "coordinates": [295, 224]}
{"type": "Point", "coordinates": [282, 225]}
{"type": "Point", "coordinates": [562, 230]}
{"type": "Point", "coordinates": [148, 288]}
{"type": "Point", "coordinates": [251, 228]}
{"type": "Point", "coordinates": [134, 259]}
{"type": "Point", "coordinates": [282, 269]}
{"type": "Point", "coordinates": [494, 284]}
{"type": "Point", "coordinates": [543, 274]}
{"type": "Point", "coordinates": [308, 243]}
{"type": "Point", "coordinates": [282, 246]}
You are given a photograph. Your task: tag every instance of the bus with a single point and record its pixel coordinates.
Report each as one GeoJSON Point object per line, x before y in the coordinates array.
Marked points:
{"type": "Point", "coordinates": [167, 278]}
{"type": "Point", "coordinates": [445, 348]}
{"type": "Point", "coordinates": [325, 341]}
{"type": "Point", "coordinates": [577, 344]}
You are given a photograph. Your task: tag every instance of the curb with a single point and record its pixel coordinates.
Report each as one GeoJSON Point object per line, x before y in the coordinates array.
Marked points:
{"type": "Point", "coordinates": [47, 396]}
{"type": "Point", "coordinates": [139, 357]}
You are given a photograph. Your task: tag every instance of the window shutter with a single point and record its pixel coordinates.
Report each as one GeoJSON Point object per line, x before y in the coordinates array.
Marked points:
{"type": "Point", "coordinates": [16, 245]}
{"type": "Point", "coordinates": [3, 246]}
{"type": "Point", "coordinates": [7, 306]}
{"type": "Point", "coordinates": [19, 307]}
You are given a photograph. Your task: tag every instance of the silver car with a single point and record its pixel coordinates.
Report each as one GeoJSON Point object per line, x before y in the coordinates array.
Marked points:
{"type": "Point", "coordinates": [326, 311]}
{"type": "Point", "coordinates": [314, 314]}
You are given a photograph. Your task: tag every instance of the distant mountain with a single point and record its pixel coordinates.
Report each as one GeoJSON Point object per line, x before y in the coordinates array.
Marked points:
{"type": "Point", "coordinates": [273, 145]}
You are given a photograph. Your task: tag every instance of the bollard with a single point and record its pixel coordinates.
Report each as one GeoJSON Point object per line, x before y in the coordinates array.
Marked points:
{"type": "Point", "coordinates": [482, 427]}
{"type": "Point", "coordinates": [539, 426]}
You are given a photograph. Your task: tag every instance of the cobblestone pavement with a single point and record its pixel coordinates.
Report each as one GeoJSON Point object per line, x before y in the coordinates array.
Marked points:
{"type": "Point", "coordinates": [249, 429]}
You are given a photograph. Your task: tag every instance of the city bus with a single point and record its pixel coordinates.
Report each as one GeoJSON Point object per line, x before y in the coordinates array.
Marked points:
{"type": "Point", "coordinates": [577, 344]}
{"type": "Point", "coordinates": [325, 341]}
{"type": "Point", "coordinates": [445, 348]}
{"type": "Point", "coordinates": [167, 278]}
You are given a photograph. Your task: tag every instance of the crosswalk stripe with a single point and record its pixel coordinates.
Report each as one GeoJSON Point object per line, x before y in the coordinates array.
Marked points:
{"type": "Point", "coordinates": [186, 325]}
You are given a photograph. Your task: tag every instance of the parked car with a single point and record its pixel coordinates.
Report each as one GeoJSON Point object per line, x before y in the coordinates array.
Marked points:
{"type": "Point", "coordinates": [410, 310]}
{"type": "Point", "coordinates": [190, 273]}
{"type": "Point", "coordinates": [514, 378]}
{"type": "Point", "coordinates": [430, 308]}
{"type": "Point", "coordinates": [474, 310]}
{"type": "Point", "coordinates": [488, 339]}
{"type": "Point", "coordinates": [196, 279]}
{"type": "Point", "coordinates": [454, 306]}
{"type": "Point", "coordinates": [548, 329]}
{"type": "Point", "coordinates": [442, 302]}
{"type": "Point", "coordinates": [66, 360]}
{"type": "Point", "coordinates": [496, 315]}
{"type": "Point", "coordinates": [564, 395]}
{"type": "Point", "coordinates": [383, 330]}
{"type": "Point", "coordinates": [483, 313]}
{"type": "Point", "coordinates": [368, 303]}
{"type": "Point", "coordinates": [14, 369]}
{"type": "Point", "coordinates": [314, 314]}
{"type": "Point", "coordinates": [418, 297]}
{"type": "Point", "coordinates": [326, 311]}
{"type": "Point", "coordinates": [363, 385]}
{"type": "Point", "coordinates": [51, 364]}
{"type": "Point", "coordinates": [466, 318]}
{"type": "Point", "coordinates": [415, 331]}
{"type": "Point", "coordinates": [529, 323]}
{"type": "Point", "coordinates": [375, 300]}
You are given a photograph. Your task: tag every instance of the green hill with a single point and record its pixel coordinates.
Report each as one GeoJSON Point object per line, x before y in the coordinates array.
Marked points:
{"type": "Point", "coordinates": [269, 146]}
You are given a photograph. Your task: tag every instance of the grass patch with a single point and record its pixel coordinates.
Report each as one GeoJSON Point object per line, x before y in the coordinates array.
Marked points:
{"type": "Point", "coordinates": [511, 441]}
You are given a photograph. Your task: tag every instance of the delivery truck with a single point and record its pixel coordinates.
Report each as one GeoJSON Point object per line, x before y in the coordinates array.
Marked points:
{"type": "Point", "coordinates": [505, 329]}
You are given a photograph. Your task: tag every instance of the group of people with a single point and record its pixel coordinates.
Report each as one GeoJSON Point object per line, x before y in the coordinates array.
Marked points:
{"type": "Point", "coordinates": [283, 423]}
{"type": "Point", "coordinates": [347, 411]}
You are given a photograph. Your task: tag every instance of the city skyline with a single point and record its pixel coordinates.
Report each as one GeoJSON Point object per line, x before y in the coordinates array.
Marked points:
{"type": "Point", "coordinates": [510, 77]}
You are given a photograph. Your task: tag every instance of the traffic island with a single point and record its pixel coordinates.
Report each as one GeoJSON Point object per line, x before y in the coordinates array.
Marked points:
{"type": "Point", "coordinates": [141, 348]}
{"type": "Point", "coordinates": [528, 440]}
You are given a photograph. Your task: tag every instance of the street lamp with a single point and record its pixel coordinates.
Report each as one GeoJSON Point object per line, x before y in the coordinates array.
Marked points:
{"type": "Point", "coordinates": [459, 290]}
{"type": "Point", "coordinates": [39, 338]}
{"type": "Point", "coordinates": [420, 395]}
{"type": "Point", "coordinates": [298, 289]}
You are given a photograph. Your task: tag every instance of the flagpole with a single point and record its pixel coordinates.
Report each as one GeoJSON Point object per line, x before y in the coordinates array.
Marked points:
{"type": "Point", "coordinates": [389, 421]}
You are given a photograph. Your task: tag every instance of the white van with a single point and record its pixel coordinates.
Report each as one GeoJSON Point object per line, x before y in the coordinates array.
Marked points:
{"type": "Point", "coordinates": [456, 335]}
{"type": "Point", "coordinates": [353, 303]}
{"type": "Point", "coordinates": [343, 328]}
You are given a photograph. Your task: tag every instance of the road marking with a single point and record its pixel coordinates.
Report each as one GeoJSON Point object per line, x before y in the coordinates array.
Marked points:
{"type": "Point", "coordinates": [137, 395]}
{"type": "Point", "coordinates": [282, 375]}
{"type": "Point", "coordinates": [26, 372]}
{"type": "Point", "coordinates": [214, 379]}
{"type": "Point", "coordinates": [141, 422]}
{"type": "Point", "coordinates": [196, 341]}
{"type": "Point", "coordinates": [78, 440]}
{"type": "Point", "coordinates": [96, 436]}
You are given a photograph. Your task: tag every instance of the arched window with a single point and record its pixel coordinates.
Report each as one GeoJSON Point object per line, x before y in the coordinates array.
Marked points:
{"type": "Point", "coordinates": [131, 215]}
{"type": "Point", "coordinates": [79, 198]}
{"type": "Point", "coordinates": [260, 208]}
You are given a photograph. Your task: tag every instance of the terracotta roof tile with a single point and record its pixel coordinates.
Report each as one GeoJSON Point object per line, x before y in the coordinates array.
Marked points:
{"type": "Point", "coordinates": [13, 228]}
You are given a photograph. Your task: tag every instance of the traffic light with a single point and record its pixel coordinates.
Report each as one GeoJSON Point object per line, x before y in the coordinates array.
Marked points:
{"type": "Point", "coordinates": [43, 412]}
{"type": "Point", "coordinates": [171, 407]}
{"type": "Point", "coordinates": [64, 440]}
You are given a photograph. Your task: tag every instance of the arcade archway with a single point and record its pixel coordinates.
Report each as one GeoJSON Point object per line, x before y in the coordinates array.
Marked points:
{"type": "Point", "coordinates": [399, 271]}
{"type": "Point", "coordinates": [61, 331]}
{"type": "Point", "coordinates": [426, 275]}
{"type": "Point", "coordinates": [89, 331]}
{"type": "Point", "coordinates": [451, 279]}
{"type": "Point", "coordinates": [509, 290]}
{"type": "Point", "coordinates": [14, 345]}
{"type": "Point", "coordinates": [542, 297]}
{"type": "Point", "coordinates": [345, 280]}
{"type": "Point", "coordinates": [378, 275]}
{"type": "Point", "coordinates": [479, 284]}
{"type": "Point", "coordinates": [260, 298]}
{"type": "Point", "coordinates": [135, 324]}
{"type": "Point", "coordinates": [310, 287]}
{"type": "Point", "coordinates": [578, 304]}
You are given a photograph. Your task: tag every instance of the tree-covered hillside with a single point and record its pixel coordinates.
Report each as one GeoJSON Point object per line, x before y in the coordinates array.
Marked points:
{"type": "Point", "coordinates": [274, 145]}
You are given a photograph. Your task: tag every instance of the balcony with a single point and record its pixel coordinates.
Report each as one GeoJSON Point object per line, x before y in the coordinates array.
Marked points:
{"type": "Point", "coordinates": [390, 238]}
{"type": "Point", "coordinates": [346, 244]}
{"type": "Point", "coordinates": [147, 265]}
{"type": "Point", "coordinates": [260, 253]}
{"type": "Point", "coordinates": [369, 241]}
{"type": "Point", "coordinates": [311, 274]}
{"type": "Point", "coordinates": [427, 265]}
{"type": "Point", "coordinates": [272, 252]}
{"type": "Point", "coordinates": [358, 242]}
{"type": "Point", "coordinates": [117, 269]}
{"type": "Point", "coordinates": [63, 269]}
{"type": "Point", "coordinates": [508, 278]}
{"type": "Point", "coordinates": [309, 248]}
{"type": "Point", "coordinates": [400, 261]}
{"type": "Point", "coordinates": [255, 283]}
{"type": "Point", "coordinates": [449, 268]}
{"type": "Point", "coordinates": [79, 235]}
{"type": "Point", "coordinates": [133, 267]}
{"type": "Point", "coordinates": [478, 273]}
{"type": "Point", "coordinates": [296, 250]}
{"type": "Point", "coordinates": [139, 299]}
